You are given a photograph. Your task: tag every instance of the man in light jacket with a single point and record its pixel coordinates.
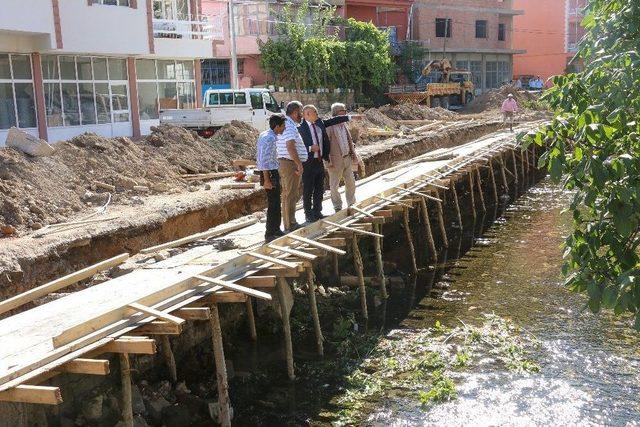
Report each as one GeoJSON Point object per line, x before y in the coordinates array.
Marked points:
{"type": "Point", "coordinates": [341, 157]}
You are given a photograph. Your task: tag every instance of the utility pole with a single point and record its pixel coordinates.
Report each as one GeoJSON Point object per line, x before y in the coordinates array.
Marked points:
{"type": "Point", "coordinates": [232, 41]}
{"type": "Point", "coordinates": [444, 43]}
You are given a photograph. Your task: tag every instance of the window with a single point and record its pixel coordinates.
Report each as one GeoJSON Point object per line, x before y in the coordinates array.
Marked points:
{"type": "Point", "coordinates": [84, 90]}
{"type": "Point", "coordinates": [215, 72]}
{"type": "Point", "coordinates": [240, 66]}
{"type": "Point", "coordinates": [226, 98]}
{"type": "Point", "coordinates": [502, 30]}
{"type": "Point", "coordinates": [112, 2]}
{"type": "Point", "coordinates": [214, 99]}
{"type": "Point", "coordinates": [17, 101]}
{"type": "Point", "coordinates": [165, 84]}
{"type": "Point", "coordinates": [492, 74]}
{"type": "Point", "coordinates": [239, 98]}
{"type": "Point", "coordinates": [256, 100]}
{"type": "Point", "coordinates": [443, 27]}
{"type": "Point", "coordinates": [481, 29]}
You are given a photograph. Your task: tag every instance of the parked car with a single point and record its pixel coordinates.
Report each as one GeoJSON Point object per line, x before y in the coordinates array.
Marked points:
{"type": "Point", "coordinates": [253, 106]}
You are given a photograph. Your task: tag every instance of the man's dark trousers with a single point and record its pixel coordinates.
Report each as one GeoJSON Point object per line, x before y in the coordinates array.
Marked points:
{"type": "Point", "coordinates": [312, 187]}
{"type": "Point", "coordinates": [274, 214]}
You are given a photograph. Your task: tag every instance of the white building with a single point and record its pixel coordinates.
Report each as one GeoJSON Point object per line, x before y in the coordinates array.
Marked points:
{"type": "Point", "coordinates": [104, 66]}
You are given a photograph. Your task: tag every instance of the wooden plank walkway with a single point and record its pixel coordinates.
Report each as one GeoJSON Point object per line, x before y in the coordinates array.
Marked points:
{"type": "Point", "coordinates": [38, 341]}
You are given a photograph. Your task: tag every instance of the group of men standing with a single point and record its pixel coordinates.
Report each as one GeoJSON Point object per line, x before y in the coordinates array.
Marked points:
{"type": "Point", "coordinates": [292, 156]}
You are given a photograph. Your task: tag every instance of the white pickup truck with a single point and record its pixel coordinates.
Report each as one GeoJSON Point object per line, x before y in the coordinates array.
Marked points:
{"type": "Point", "coordinates": [253, 106]}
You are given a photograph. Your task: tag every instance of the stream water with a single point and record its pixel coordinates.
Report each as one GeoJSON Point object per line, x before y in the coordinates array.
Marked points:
{"type": "Point", "coordinates": [589, 364]}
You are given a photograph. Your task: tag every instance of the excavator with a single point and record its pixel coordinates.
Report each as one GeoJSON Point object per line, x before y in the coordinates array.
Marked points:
{"type": "Point", "coordinates": [439, 85]}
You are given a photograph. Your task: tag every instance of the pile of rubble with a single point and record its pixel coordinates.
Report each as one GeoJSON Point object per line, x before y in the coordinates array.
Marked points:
{"type": "Point", "coordinates": [492, 99]}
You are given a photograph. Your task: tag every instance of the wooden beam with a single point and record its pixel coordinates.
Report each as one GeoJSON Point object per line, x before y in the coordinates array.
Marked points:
{"type": "Point", "coordinates": [227, 297]}
{"type": "Point", "coordinates": [278, 272]}
{"type": "Point", "coordinates": [32, 394]}
{"type": "Point", "coordinates": [86, 366]}
{"type": "Point", "coordinates": [385, 213]}
{"type": "Point", "coordinates": [159, 327]}
{"type": "Point", "coordinates": [362, 211]}
{"type": "Point", "coordinates": [156, 313]}
{"type": "Point", "coordinates": [137, 345]}
{"type": "Point", "coordinates": [217, 231]}
{"type": "Point", "coordinates": [340, 242]}
{"type": "Point", "coordinates": [194, 313]}
{"type": "Point", "coordinates": [397, 202]}
{"type": "Point", "coordinates": [294, 252]}
{"type": "Point", "coordinates": [316, 243]}
{"type": "Point", "coordinates": [273, 260]}
{"type": "Point", "coordinates": [234, 287]}
{"type": "Point", "coordinates": [63, 282]}
{"type": "Point", "coordinates": [353, 229]}
{"type": "Point", "coordinates": [258, 282]}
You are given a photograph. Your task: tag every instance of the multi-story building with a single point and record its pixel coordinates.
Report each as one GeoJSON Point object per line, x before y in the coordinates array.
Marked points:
{"type": "Point", "coordinates": [474, 34]}
{"type": "Point", "coordinates": [256, 21]}
{"type": "Point", "coordinates": [104, 66]}
{"type": "Point", "coordinates": [549, 31]}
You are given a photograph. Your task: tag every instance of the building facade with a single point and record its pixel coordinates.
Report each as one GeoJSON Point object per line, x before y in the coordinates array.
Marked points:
{"type": "Point", "coordinates": [104, 66]}
{"type": "Point", "coordinates": [549, 31]}
{"type": "Point", "coordinates": [476, 35]}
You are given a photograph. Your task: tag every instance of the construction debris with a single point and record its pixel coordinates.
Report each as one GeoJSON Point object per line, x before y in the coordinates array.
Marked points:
{"type": "Point", "coordinates": [28, 144]}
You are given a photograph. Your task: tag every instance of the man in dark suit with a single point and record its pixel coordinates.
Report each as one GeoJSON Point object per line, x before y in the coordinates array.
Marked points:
{"type": "Point", "coordinates": [314, 134]}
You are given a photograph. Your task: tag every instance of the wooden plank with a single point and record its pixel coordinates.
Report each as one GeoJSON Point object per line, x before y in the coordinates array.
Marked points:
{"type": "Point", "coordinates": [214, 232]}
{"type": "Point", "coordinates": [384, 213]}
{"type": "Point", "coordinates": [140, 345]}
{"type": "Point", "coordinates": [339, 242]}
{"type": "Point", "coordinates": [234, 287]}
{"type": "Point", "coordinates": [227, 297]}
{"type": "Point", "coordinates": [194, 313]}
{"type": "Point", "coordinates": [43, 395]}
{"type": "Point", "coordinates": [294, 252]}
{"type": "Point", "coordinates": [86, 366]}
{"type": "Point", "coordinates": [156, 313]}
{"type": "Point", "coordinates": [362, 211]}
{"type": "Point", "coordinates": [278, 272]}
{"type": "Point", "coordinates": [63, 282]}
{"type": "Point", "coordinates": [258, 282]}
{"type": "Point", "coordinates": [239, 186]}
{"type": "Point", "coordinates": [160, 327]}
{"type": "Point", "coordinates": [355, 230]}
{"type": "Point", "coordinates": [273, 260]}
{"type": "Point", "coordinates": [397, 202]}
{"type": "Point", "coordinates": [316, 243]}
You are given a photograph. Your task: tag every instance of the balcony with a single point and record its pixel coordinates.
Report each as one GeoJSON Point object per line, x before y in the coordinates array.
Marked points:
{"type": "Point", "coordinates": [197, 27]}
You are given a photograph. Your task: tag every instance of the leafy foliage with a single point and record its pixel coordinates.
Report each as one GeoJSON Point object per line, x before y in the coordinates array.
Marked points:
{"type": "Point", "coordinates": [308, 56]}
{"type": "Point", "coordinates": [410, 61]}
{"type": "Point", "coordinates": [594, 148]}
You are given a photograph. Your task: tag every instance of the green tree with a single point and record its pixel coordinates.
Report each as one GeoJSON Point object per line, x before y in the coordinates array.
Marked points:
{"type": "Point", "coordinates": [593, 147]}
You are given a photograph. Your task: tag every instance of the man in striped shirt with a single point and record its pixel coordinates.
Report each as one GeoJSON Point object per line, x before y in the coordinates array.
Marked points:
{"type": "Point", "coordinates": [291, 153]}
{"type": "Point", "coordinates": [267, 164]}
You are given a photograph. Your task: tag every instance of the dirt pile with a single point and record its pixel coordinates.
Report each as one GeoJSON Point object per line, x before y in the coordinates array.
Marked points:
{"type": "Point", "coordinates": [416, 112]}
{"type": "Point", "coordinates": [492, 99]}
{"type": "Point", "coordinates": [84, 171]}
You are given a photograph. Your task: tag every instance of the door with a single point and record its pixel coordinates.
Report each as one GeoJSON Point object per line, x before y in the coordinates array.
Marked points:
{"type": "Point", "coordinates": [259, 119]}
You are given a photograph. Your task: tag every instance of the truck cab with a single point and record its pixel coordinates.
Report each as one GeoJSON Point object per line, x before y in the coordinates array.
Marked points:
{"type": "Point", "coordinates": [253, 106]}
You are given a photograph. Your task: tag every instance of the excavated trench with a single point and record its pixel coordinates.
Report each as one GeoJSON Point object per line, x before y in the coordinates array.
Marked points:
{"type": "Point", "coordinates": [95, 400]}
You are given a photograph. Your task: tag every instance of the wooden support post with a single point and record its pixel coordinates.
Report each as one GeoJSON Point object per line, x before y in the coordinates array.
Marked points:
{"type": "Point", "coordinates": [311, 292]}
{"type": "Point", "coordinates": [443, 228]}
{"type": "Point", "coordinates": [359, 267]}
{"type": "Point", "coordinates": [427, 227]}
{"type": "Point", "coordinates": [168, 357]}
{"type": "Point", "coordinates": [494, 187]}
{"type": "Point", "coordinates": [504, 176]}
{"type": "Point", "coordinates": [224, 413]}
{"type": "Point", "coordinates": [479, 183]}
{"type": "Point", "coordinates": [455, 202]}
{"type": "Point", "coordinates": [515, 171]}
{"type": "Point", "coordinates": [251, 319]}
{"type": "Point", "coordinates": [407, 231]}
{"type": "Point", "coordinates": [127, 397]}
{"type": "Point", "coordinates": [377, 244]}
{"type": "Point", "coordinates": [473, 197]}
{"type": "Point", "coordinates": [522, 170]}
{"type": "Point", "coordinates": [286, 326]}
{"type": "Point", "coordinates": [534, 163]}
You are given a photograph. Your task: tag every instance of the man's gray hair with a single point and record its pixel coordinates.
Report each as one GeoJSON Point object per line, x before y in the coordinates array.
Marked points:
{"type": "Point", "coordinates": [336, 107]}
{"type": "Point", "coordinates": [292, 107]}
{"type": "Point", "coordinates": [310, 107]}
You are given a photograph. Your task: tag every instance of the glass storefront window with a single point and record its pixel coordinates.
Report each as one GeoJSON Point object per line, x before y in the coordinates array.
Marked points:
{"type": "Point", "coordinates": [67, 67]}
{"type": "Point", "coordinates": [70, 104]}
{"type": "Point", "coordinates": [100, 68]}
{"type": "Point", "coordinates": [25, 104]}
{"type": "Point", "coordinates": [87, 103]}
{"type": "Point", "coordinates": [5, 67]}
{"type": "Point", "coordinates": [117, 69]}
{"type": "Point", "coordinates": [166, 70]}
{"type": "Point", "coordinates": [21, 65]}
{"type": "Point", "coordinates": [173, 88]}
{"type": "Point", "coordinates": [84, 68]}
{"type": "Point", "coordinates": [49, 67]}
{"type": "Point", "coordinates": [17, 106]}
{"type": "Point", "coordinates": [186, 95]}
{"type": "Point", "coordinates": [53, 104]}
{"type": "Point", "coordinates": [146, 69]}
{"type": "Point", "coordinates": [103, 103]}
{"type": "Point", "coordinates": [148, 100]}
{"type": "Point", "coordinates": [7, 107]}
{"type": "Point", "coordinates": [168, 95]}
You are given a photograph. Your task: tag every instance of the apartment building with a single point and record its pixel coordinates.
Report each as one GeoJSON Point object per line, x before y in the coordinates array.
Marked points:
{"type": "Point", "coordinates": [104, 66]}
{"type": "Point", "coordinates": [549, 31]}
{"type": "Point", "coordinates": [256, 21]}
{"type": "Point", "coordinates": [476, 35]}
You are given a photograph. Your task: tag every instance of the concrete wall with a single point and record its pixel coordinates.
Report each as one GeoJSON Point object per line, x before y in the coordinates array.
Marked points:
{"type": "Point", "coordinates": [541, 32]}
{"type": "Point", "coordinates": [321, 100]}
{"type": "Point", "coordinates": [26, 32]}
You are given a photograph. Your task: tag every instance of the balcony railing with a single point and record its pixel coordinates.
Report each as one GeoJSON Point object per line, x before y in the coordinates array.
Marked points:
{"type": "Point", "coordinates": [193, 27]}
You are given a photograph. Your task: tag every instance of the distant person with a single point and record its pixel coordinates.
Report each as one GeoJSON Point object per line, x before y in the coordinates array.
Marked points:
{"type": "Point", "coordinates": [291, 152]}
{"type": "Point", "coordinates": [509, 108]}
{"type": "Point", "coordinates": [518, 83]}
{"type": "Point", "coordinates": [267, 163]}
{"type": "Point", "coordinates": [314, 134]}
{"type": "Point", "coordinates": [341, 158]}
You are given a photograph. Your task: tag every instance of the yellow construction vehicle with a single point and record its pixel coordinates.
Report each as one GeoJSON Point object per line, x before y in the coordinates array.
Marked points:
{"type": "Point", "coordinates": [440, 85]}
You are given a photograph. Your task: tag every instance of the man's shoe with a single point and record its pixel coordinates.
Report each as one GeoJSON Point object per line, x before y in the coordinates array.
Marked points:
{"type": "Point", "coordinates": [320, 216]}
{"type": "Point", "coordinates": [268, 239]}
{"type": "Point", "coordinates": [279, 233]}
{"type": "Point", "coordinates": [293, 227]}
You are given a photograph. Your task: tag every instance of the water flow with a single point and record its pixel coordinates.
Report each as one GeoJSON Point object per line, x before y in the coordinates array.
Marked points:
{"type": "Point", "coordinates": [589, 364]}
